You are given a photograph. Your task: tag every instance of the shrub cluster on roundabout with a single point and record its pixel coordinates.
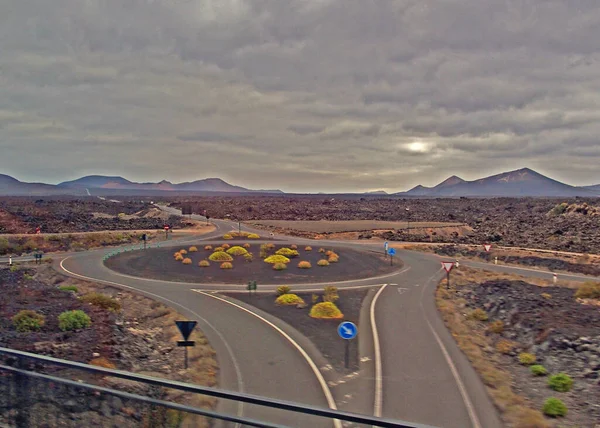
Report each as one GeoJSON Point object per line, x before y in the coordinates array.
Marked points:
{"type": "Point", "coordinates": [326, 310]}
{"type": "Point", "coordinates": [220, 256]}
{"type": "Point", "coordinates": [227, 236]}
{"type": "Point", "coordinates": [237, 251]}
{"type": "Point", "coordinates": [193, 249]}
{"type": "Point", "coordinates": [178, 257]}
{"type": "Point", "coordinates": [226, 265]}
{"type": "Point", "coordinates": [208, 247]}
{"type": "Point", "coordinates": [323, 262]}
{"type": "Point", "coordinates": [246, 245]}
{"type": "Point", "coordinates": [204, 263]}
{"type": "Point", "coordinates": [289, 299]}
{"type": "Point", "coordinates": [304, 265]}
{"type": "Point", "coordinates": [279, 266]}
{"type": "Point", "coordinates": [187, 261]}
{"type": "Point", "coordinates": [277, 259]}
{"type": "Point", "coordinates": [288, 252]}
{"type": "Point", "coordinates": [253, 236]}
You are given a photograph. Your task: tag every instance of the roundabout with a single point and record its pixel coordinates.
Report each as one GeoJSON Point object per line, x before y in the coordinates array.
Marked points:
{"type": "Point", "coordinates": [272, 263]}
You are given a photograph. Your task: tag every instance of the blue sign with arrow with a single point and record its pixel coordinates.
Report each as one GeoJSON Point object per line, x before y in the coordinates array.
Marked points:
{"type": "Point", "coordinates": [347, 330]}
{"type": "Point", "coordinates": [392, 252]}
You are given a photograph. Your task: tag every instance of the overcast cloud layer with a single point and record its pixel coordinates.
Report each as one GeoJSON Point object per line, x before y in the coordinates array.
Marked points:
{"type": "Point", "coordinates": [311, 95]}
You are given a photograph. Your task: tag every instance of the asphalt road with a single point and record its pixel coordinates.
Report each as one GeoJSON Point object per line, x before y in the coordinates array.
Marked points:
{"type": "Point", "coordinates": [413, 371]}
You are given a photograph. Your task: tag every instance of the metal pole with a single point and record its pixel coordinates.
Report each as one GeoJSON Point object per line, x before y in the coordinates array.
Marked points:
{"type": "Point", "coordinates": [347, 354]}
{"type": "Point", "coordinates": [391, 258]}
{"type": "Point", "coordinates": [186, 357]}
{"type": "Point", "coordinates": [447, 280]}
{"type": "Point", "coordinates": [239, 227]}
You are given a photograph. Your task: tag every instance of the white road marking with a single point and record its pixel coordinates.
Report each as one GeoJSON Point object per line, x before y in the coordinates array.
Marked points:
{"type": "Point", "coordinates": [377, 405]}
{"type": "Point", "coordinates": [402, 290]}
{"type": "Point", "coordinates": [328, 396]}
{"type": "Point", "coordinates": [236, 366]}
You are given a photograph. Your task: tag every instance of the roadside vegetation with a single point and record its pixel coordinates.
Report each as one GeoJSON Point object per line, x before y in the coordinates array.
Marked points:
{"type": "Point", "coordinates": [502, 359]}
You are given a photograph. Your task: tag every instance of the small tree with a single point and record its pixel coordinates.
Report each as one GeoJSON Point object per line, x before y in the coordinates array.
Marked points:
{"type": "Point", "coordinates": [73, 320]}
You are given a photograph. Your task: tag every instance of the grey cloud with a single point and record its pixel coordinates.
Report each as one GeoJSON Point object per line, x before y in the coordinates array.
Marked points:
{"type": "Point", "coordinates": [314, 95]}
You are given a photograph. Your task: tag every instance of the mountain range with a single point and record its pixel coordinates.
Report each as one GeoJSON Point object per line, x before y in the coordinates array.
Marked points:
{"type": "Point", "coordinates": [100, 184]}
{"type": "Point", "coordinates": [519, 183]}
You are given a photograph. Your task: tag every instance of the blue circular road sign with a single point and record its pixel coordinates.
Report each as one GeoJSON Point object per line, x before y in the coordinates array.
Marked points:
{"type": "Point", "coordinates": [392, 252]}
{"type": "Point", "coordinates": [347, 330]}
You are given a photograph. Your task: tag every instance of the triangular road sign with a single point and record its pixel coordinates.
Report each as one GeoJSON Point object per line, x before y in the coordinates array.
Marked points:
{"type": "Point", "coordinates": [487, 247]}
{"type": "Point", "coordinates": [447, 266]}
{"type": "Point", "coordinates": [186, 327]}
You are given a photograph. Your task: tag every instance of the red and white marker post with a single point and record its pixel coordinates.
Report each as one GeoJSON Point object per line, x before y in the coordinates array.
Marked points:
{"type": "Point", "coordinates": [447, 267]}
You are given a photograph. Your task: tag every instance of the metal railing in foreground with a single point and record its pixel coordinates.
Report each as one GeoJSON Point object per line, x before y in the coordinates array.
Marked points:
{"type": "Point", "coordinates": [22, 375]}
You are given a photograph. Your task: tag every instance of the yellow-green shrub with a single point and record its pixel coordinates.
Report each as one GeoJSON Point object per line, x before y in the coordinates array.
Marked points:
{"type": "Point", "coordinates": [246, 245]}
{"type": "Point", "coordinates": [219, 249]}
{"type": "Point", "coordinates": [538, 370]}
{"type": "Point", "coordinates": [478, 314]}
{"type": "Point", "coordinates": [179, 257]}
{"type": "Point", "coordinates": [289, 299]}
{"type": "Point", "coordinates": [248, 257]}
{"type": "Point", "coordinates": [283, 289]}
{"type": "Point", "coordinates": [187, 261]}
{"type": "Point", "coordinates": [288, 252]}
{"type": "Point", "coordinates": [226, 265]}
{"type": "Point", "coordinates": [279, 266]}
{"type": "Point", "coordinates": [333, 259]}
{"type": "Point", "coordinates": [208, 247]}
{"type": "Point", "coordinates": [560, 382]}
{"type": "Point", "coordinates": [204, 263]}
{"type": "Point", "coordinates": [554, 407]}
{"type": "Point", "coordinates": [304, 265]}
{"type": "Point", "coordinates": [102, 301]}
{"type": "Point", "coordinates": [326, 310]}
{"type": "Point", "coordinates": [73, 320]}
{"type": "Point", "coordinates": [227, 236]}
{"type": "Point", "coordinates": [253, 236]}
{"type": "Point", "coordinates": [330, 294]}
{"type": "Point", "coordinates": [237, 251]}
{"type": "Point", "coordinates": [277, 259]}
{"type": "Point", "coordinates": [220, 256]}
{"type": "Point", "coordinates": [323, 262]}
{"type": "Point", "coordinates": [588, 290]}
{"type": "Point", "coordinates": [26, 321]}
{"type": "Point", "coordinates": [193, 249]}
{"type": "Point", "coordinates": [526, 358]}
{"type": "Point", "coordinates": [309, 248]}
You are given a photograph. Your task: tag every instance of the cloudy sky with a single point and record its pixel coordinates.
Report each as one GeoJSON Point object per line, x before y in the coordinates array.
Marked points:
{"type": "Point", "coordinates": [310, 95]}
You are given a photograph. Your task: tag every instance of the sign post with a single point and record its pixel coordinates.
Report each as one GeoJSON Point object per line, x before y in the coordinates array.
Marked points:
{"type": "Point", "coordinates": [392, 253]}
{"type": "Point", "coordinates": [10, 260]}
{"type": "Point", "coordinates": [385, 247]}
{"type": "Point", "coordinates": [185, 328]}
{"type": "Point", "coordinates": [447, 267]}
{"type": "Point", "coordinates": [166, 227]}
{"type": "Point", "coordinates": [144, 238]}
{"type": "Point", "coordinates": [347, 331]}
{"type": "Point", "coordinates": [554, 278]}
{"type": "Point", "coordinates": [251, 287]}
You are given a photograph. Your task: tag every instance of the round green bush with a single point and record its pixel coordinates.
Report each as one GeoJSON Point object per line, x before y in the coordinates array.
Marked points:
{"type": "Point", "coordinates": [560, 382]}
{"type": "Point", "coordinates": [73, 320]}
{"type": "Point", "coordinates": [288, 252]}
{"type": "Point", "coordinates": [220, 256]}
{"type": "Point", "coordinates": [289, 299]}
{"type": "Point", "coordinates": [526, 358]}
{"type": "Point", "coordinates": [554, 407]}
{"type": "Point", "coordinates": [283, 289]}
{"type": "Point", "coordinates": [26, 321]}
{"type": "Point", "coordinates": [277, 259]}
{"type": "Point", "coordinates": [326, 310]}
{"type": "Point", "coordinates": [279, 266]}
{"type": "Point", "coordinates": [478, 314]}
{"type": "Point", "coordinates": [237, 251]}
{"type": "Point", "coordinates": [68, 288]}
{"type": "Point", "coordinates": [322, 262]}
{"type": "Point", "coordinates": [538, 370]}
